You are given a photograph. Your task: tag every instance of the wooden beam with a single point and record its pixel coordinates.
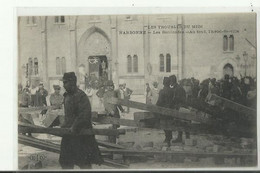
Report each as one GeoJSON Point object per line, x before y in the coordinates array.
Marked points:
{"type": "Point", "coordinates": [175, 153]}
{"type": "Point", "coordinates": [56, 149]}
{"type": "Point", "coordinates": [235, 106]}
{"type": "Point", "coordinates": [27, 128]}
{"type": "Point", "coordinates": [176, 125]}
{"type": "Point", "coordinates": [104, 119]}
{"type": "Point", "coordinates": [161, 111]}
{"type": "Point", "coordinates": [34, 109]}
{"type": "Point", "coordinates": [109, 145]}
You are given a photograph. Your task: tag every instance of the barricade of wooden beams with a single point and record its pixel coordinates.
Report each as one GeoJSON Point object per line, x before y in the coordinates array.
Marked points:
{"type": "Point", "coordinates": [113, 148]}
{"type": "Point", "coordinates": [51, 147]}
{"type": "Point", "coordinates": [208, 123]}
{"type": "Point", "coordinates": [150, 120]}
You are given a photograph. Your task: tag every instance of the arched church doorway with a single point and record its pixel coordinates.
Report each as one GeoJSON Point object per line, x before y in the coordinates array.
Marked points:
{"type": "Point", "coordinates": [228, 69]}
{"type": "Point", "coordinates": [94, 53]}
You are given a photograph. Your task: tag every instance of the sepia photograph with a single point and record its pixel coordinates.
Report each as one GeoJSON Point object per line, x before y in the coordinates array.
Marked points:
{"type": "Point", "coordinates": [137, 91]}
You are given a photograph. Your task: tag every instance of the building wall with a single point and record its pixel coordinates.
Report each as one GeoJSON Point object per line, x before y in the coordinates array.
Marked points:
{"type": "Point", "coordinates": [58, 45]}
{"type": "Point", "coordinates": [29, 40]}
{"type": "Point", "coordinates": [131, 44]}
{"type": "Point", "coordinates": [192, 55]}
{"type": "Point", "coordinates": [204, 55]}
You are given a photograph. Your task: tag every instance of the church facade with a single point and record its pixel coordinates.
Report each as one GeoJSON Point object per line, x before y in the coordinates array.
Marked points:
{"type": "Point", "coordinates": [135, 49]}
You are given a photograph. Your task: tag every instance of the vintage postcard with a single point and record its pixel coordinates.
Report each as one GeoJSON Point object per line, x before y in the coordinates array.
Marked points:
{"type": "Point", "coordinates": [137, 91]}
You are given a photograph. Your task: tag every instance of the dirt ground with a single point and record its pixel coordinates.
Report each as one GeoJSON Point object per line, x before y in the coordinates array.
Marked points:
{"type": "Point", "coordinates": [145, 139]}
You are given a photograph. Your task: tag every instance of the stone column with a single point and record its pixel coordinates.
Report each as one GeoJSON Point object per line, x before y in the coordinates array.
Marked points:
{"type": "Point", "coordinates": [180, 44]}
{"type": "Point", "coordinates": [113, 63]}
{"type": "Point", "coordinates": [73, 43]}
{"type": "Point", "coordinates": [146, 48]}
{"type": "Point", "coordinates": [44, 43]}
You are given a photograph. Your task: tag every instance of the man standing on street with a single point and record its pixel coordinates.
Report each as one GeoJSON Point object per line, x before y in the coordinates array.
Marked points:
{"type": "Point", "coordinates": [127, 93]}
{"type": "Point", "coordinates": [111, 109]}
{"type": "Point", "coordinates": [178, 99]}
{"type": "Point", "coordinates": [164, 100]}
{"type": "Point", "coordinates": [56, 99]}
{"type": "Point", "coordinates": [76, 149]}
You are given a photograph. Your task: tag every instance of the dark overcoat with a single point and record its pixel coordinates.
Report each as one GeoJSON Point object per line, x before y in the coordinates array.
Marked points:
{"type": "Point", "coordinates": [78, 149]}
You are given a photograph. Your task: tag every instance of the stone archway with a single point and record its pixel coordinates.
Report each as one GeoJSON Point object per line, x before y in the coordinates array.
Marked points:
{"type": "Point", "coordinates": [228, 69]}
{"type": "Point", "coordinates": [94, 43]}
{"type": "Point", "coordinates": [232, 63]}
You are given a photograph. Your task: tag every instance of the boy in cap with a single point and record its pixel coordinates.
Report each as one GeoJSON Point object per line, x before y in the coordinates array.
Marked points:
{"type": "Point", "coordinates": [76, 149]}
{"type": "Point", "coordinates": [111, 109]}
{"type": "Point", "coordinates": [127, 93]}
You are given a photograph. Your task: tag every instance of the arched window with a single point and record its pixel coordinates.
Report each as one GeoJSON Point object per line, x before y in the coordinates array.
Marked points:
{"type": "Point", "coordinates": [58, 66]}
{"type": "Point", "coordinates": [225, 43]}
{"type": "Point", "coordinates": [30, 66]}
{"type": "Point", "coordinates": [56, 19]}
{"type": "Point", "coordinates": [28, 20]}
{"type": "Point", "coordinates": [63, 62]}
{"type": "Point", "coordinates": [168, 62]}
{"type": "Point", "coordinates": [59, 19]}
{"type": "Point", "coordinates": [231, 43]}
{"type": "Point", "coordinates": [135, 63]}
{"type": "Point", "coordinates": [34, 20]}
{"type": "Point", "coordinates": [36, 70]}
{"type": "Point", "coordinates": [129, 64]}
{"type": "Point", "coordinates": [62, 19]}
{"type": "Point", "coordinates": [161, 63]}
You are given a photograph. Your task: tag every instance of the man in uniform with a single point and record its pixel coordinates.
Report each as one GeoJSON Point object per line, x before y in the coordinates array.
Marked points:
{"type": "Point", "coordinates": [41, 95]}
{"type": "Point", "coordinates": [111, 109]}
{"type": "Point", "coordinates": [76, 149]}
{"type": "Point", "coordinates": [56, 99]}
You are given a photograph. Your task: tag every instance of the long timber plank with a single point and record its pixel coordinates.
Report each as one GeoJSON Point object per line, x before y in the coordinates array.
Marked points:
{"type": "Point", "coordinates": [56, 149]}
{"type": "Point", "coordinates": [176, 153]}
{"type": "Point", "coordinates": [163, 111]}
{"type": "Point", "coordinates": [235, 106]}
{"type": "Point", "coordinates": [171, 124]}
{"type": "Point", "coordinates": [27, 128]}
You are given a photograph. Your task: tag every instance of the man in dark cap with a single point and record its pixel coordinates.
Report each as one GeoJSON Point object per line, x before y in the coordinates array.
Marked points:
{"type": "Point", "coordinates": [76, 149]}
{"type": "Point", "coordinates": [165, 100]}
{"type": "Point", "coordinates": [111, 109]}
{"type": "Point", "coordinates": [41, 95]}
{"type": "Point", "coordinates": [178, 99]}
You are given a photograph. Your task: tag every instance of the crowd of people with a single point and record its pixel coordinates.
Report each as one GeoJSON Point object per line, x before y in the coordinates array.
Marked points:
{"type": "Point", "coordinates": [191, 92]}
{"type": "Point", "coordinates": [242, 91]}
